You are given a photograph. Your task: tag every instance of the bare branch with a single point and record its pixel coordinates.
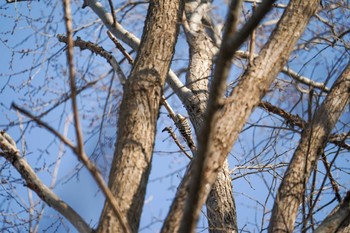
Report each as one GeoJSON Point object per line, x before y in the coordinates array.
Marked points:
{"type": "Point", "coordinates": [98, 50]}
{"type": "Point", "coordinates": [291, 73]}
{"type": "Point", "coordinates": [12, 155]}
{"type": "Point", "coordinates": [14, 1]}
{"type": "Point", "coordinates": [120, 47]}
{"type": "Point", "coordinates": [88, 164]}
{"type": "Point", "coordinates": [255, 169]}
{"type": "Point", "coordinates": [172, 134]}
{"type": "Point", "coordinates": [112, 13]}
{"type": "Point", "coordinates": [68, 23]}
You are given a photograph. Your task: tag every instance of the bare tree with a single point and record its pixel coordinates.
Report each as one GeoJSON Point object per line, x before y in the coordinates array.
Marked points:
{"type": "Point", "coordinates": [265, 88]}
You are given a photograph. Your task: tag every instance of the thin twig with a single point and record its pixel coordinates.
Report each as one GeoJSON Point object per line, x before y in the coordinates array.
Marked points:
{"type": "Point", "coordinates": [65, 97]}
{"type": "Point", "coordinates": [172, 134]}
{"type": "Point", "coordinates": [120, 47]}
{"type": "Point", "coordinates": [14, 1]}
{"type": "Point", "coordinates": [255, 169]}
{"type": "Point", "coordinates": [68, 22]}
{"type": "Point", "coordinates": [331, 178]}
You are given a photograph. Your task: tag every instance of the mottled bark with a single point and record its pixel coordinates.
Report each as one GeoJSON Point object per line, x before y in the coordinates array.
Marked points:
{"type": "Point", "coordinates": [221, 208]}
{"type": "Point", "coordinates": [311, 145]}
{"type": "Point", "coordinates": [345, 225]}
{"type": "Point", "coordinates": [202, 51]}
{"type": "Point", "coordinates": [139, 112]}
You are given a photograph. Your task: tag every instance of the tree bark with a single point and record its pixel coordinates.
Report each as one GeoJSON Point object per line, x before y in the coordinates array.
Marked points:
{"type": "Point", "coordinates": [311, 145]}
{"type": "Point", "coordinates": [221, 207]}
{"type": "Point", "coordinates": [139, 112]}
{"type": "Point", "coordinates": [338, 220]}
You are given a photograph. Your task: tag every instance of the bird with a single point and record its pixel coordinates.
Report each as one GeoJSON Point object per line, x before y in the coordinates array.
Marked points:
{"type": "Point", "coordinates": [185, 129]}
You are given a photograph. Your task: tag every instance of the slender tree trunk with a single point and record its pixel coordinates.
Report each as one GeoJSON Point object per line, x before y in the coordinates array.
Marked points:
{"type": "Point", "coordinates": [312, 143]}
{"type": "Point", "coordinates": [201, 37]}
{"type": "Point", "coordinates": [139, 112]}
{"type": "Point", "coordinates": [221, 207]}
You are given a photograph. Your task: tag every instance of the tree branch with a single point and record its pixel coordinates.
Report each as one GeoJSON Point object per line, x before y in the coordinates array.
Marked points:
{"type": "Point", "coordinates": [172, 134]}
{"type": "Point", "coordinates": [77, 126]}
{"type": "Point", "coordinates": [98, 50]}
{"type": "Point", "coordinates": [12, 155]}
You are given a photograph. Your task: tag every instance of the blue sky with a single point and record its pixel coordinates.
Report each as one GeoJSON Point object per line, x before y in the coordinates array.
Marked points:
{"type": "Point", "coordinates": [25, 28]}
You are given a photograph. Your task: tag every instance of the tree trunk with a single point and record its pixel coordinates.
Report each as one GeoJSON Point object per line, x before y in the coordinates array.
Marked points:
{"type": "Point", "coordinates": [221, 208]}
{"type": "Point", "coordinates": [312, 142]}
{"type": "Point", "coordinates": [139, 112]}
{"type": "Point", "coordinates": [200, 31]}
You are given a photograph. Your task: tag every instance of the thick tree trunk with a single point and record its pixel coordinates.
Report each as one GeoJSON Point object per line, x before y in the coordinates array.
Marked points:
{"type": "Point", "coordinates": [312, 142]}
{"type": "Point", "coordinates": [139, 112]}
